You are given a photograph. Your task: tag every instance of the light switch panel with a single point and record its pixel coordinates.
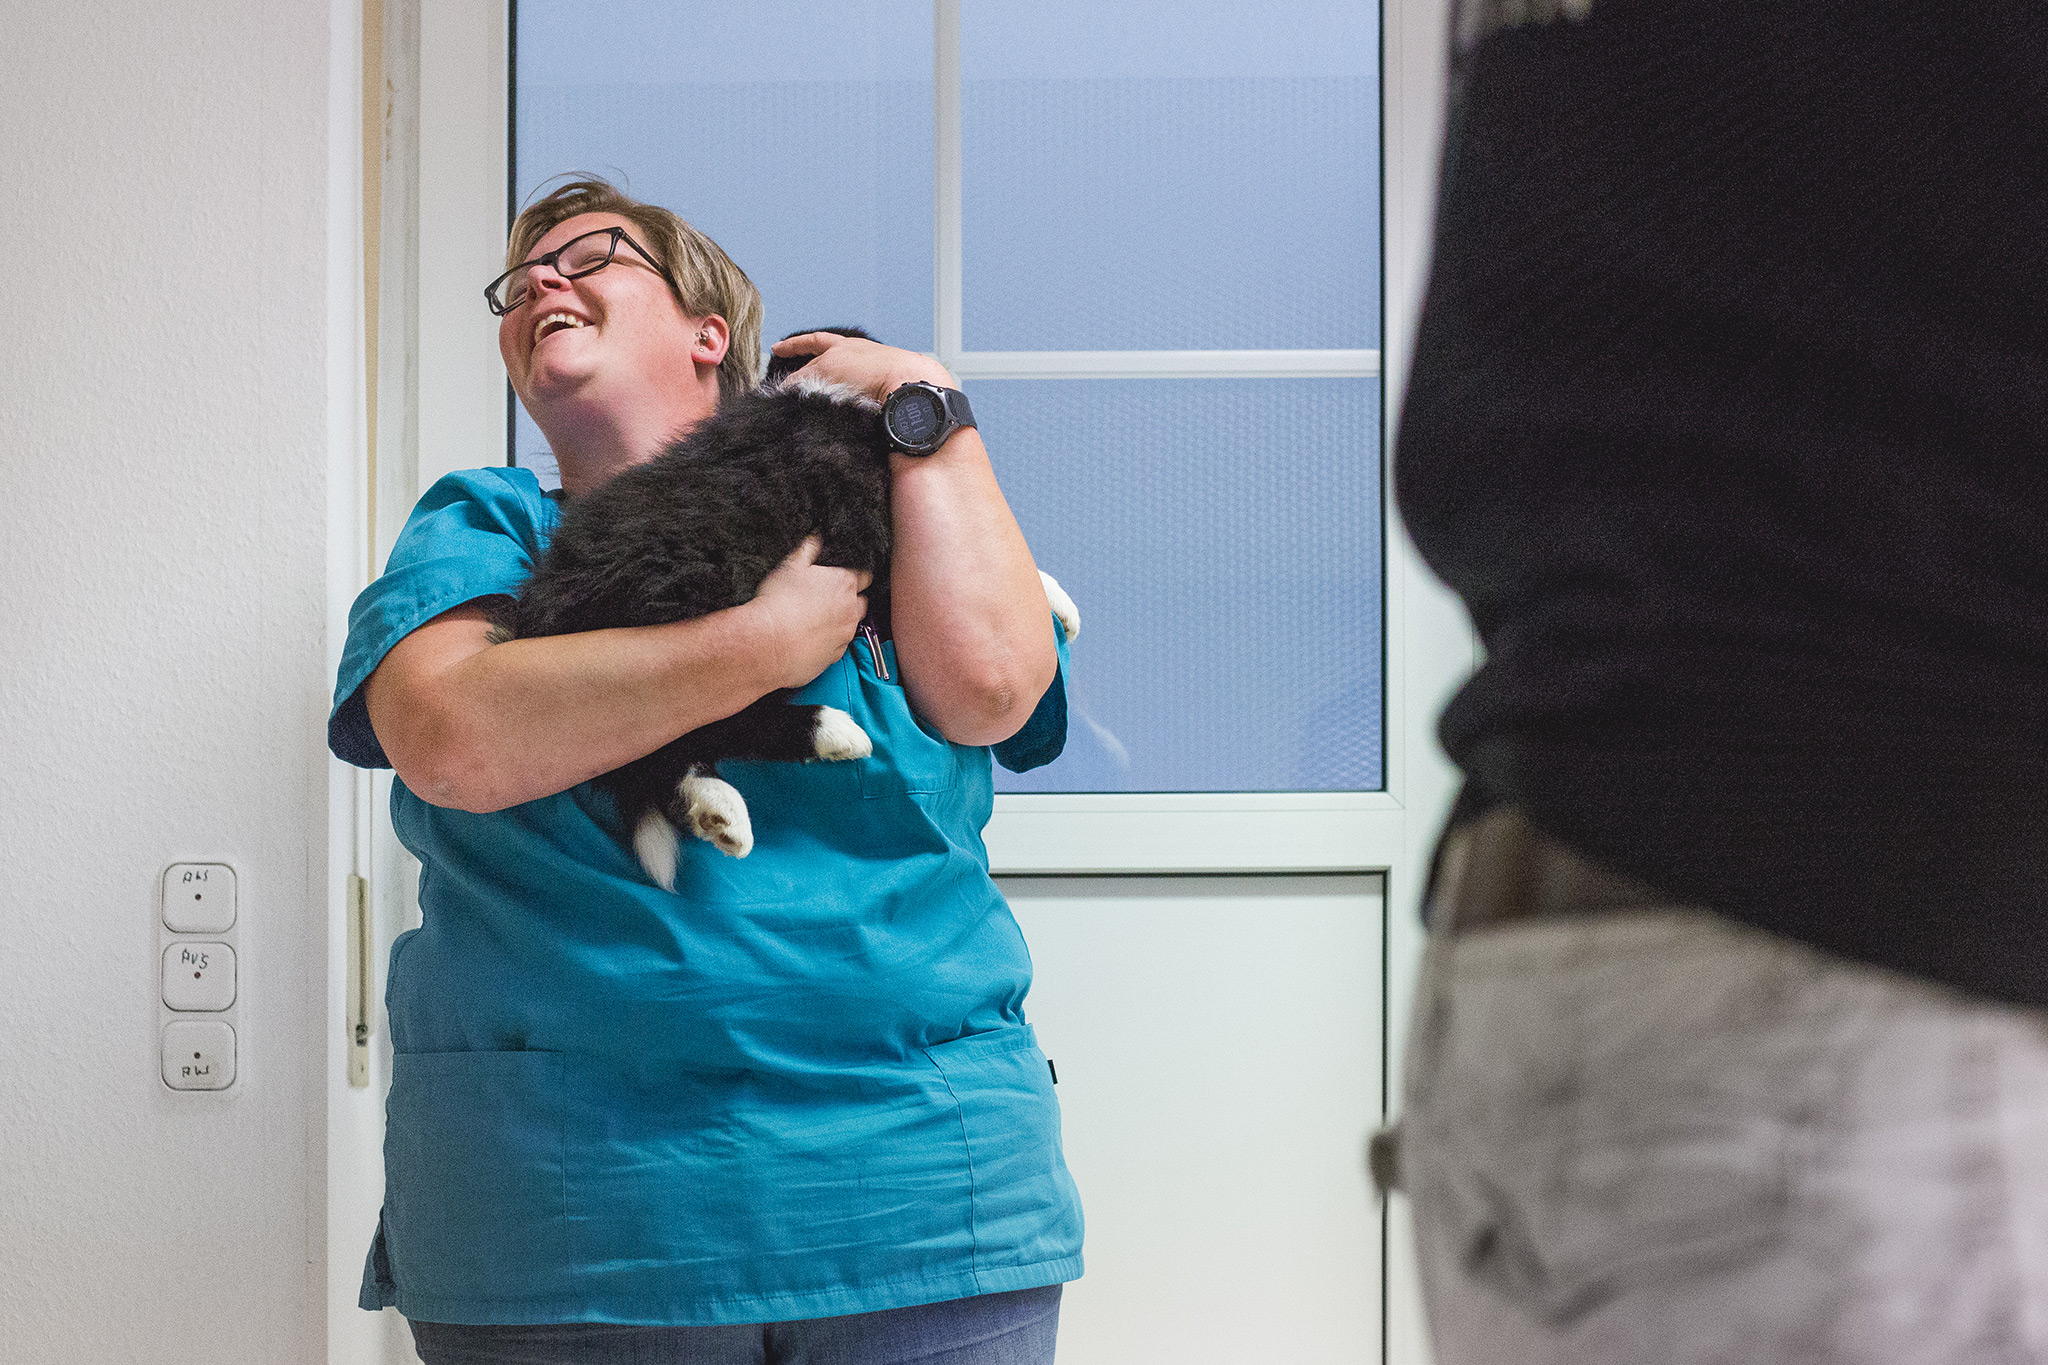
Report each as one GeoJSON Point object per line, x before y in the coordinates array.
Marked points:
{"type": "Point", "coordinates": [202, 993]}
{"type": "Point", "coordinates": [199, 975]}
{"type": "Point", "coordinates": [198, 1055]}
{"type": "Point", "coordinates": [199, 898]}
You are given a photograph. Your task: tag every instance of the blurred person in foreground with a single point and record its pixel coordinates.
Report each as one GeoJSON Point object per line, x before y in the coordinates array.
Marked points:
{"type": "Point", "coordinates": [1727, 420]}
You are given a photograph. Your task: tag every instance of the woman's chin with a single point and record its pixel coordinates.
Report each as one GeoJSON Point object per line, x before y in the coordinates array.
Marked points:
{"type": "Point", "coordinates": [553, 378]}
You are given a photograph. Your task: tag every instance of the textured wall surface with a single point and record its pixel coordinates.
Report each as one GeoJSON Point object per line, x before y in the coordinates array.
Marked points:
{"type": "Point", "coordinates": [162, 602]}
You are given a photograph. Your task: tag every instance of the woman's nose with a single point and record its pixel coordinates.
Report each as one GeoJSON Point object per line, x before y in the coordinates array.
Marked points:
{"type": "Point", "coordinates": [545, 277]}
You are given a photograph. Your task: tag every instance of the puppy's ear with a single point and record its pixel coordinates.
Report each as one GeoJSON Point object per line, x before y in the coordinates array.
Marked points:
{"type": "Point", "coordinates": [780, 367]}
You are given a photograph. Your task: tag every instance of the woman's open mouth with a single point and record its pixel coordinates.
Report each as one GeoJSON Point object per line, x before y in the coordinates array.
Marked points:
{"type": "Point", "coordinates": [556, 322]}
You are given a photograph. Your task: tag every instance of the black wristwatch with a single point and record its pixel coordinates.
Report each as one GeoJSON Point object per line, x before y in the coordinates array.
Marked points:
{"type": "Point", "coordinates": [918, 417]}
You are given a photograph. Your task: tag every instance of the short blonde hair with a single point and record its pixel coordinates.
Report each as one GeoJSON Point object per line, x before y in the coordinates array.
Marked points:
{"type": "Point", "coordinates": [700, 274]}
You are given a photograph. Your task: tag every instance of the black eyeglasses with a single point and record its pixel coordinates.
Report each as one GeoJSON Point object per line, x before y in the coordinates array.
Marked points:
{"type": "Point", "coordinates": [572, 260]}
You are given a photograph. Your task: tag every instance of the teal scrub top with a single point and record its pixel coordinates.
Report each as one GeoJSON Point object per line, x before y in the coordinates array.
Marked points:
{"type": "Point", "coordinates": [801, 1085]}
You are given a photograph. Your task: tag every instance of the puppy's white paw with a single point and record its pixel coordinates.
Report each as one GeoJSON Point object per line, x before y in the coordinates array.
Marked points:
{"type": "Point", "coordinates": [718, 815]}
{"type": "Point", "coordinates": [839, 736]}
{"type": "Point", "coordinates": [655, 840]}
{"type": "Point", "coordinates": [1062, 605]}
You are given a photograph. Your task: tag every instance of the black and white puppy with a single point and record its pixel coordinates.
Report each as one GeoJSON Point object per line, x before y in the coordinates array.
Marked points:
{"type": "Point", "coordinates": [695, 530]}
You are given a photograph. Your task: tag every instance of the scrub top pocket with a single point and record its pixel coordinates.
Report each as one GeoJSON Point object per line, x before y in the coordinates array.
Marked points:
{"type": "Point", "coordinates": [474, 1208]}
{"type": "Point", "coordinates": [1024, 1200]}
{"type": "Point", "coordinates": [909, 758]}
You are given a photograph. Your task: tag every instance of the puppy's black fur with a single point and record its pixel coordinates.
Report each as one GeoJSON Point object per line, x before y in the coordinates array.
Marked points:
{"type": "Point", "coordinates": [695, 530]}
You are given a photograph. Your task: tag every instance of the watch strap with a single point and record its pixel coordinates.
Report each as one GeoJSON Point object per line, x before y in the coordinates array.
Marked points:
{"type": "Point", "coordinates": [958, 413]}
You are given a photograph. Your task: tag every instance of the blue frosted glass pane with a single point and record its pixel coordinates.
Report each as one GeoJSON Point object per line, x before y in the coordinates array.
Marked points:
{"type": "Point", "coordinates": [530, 449]}
{"type": "Point", "coordinates": [798, 135]}
{"type": "Point", "coordinates": [1185, 176]}
{"type": "Point", "coordinates": [1222, 539]}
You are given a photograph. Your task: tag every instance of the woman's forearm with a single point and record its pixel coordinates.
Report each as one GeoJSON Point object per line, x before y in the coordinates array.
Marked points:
{"type": "Point", "coordinates": [481, 726]}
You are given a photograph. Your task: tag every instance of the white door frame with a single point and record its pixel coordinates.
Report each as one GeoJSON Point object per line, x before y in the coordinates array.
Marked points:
{"type": "Point", "coordinates": [1437, 648]}
{"type": "Point", "coordinates": [451, 218]}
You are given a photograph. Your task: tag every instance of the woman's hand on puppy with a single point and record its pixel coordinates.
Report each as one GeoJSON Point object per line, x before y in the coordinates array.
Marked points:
{"type": "Point", "coordinates": [868, 366]}
{"type": "Point", "coordinates": [810, 612]}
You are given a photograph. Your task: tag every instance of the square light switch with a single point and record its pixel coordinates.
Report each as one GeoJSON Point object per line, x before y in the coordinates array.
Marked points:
{"type": "Point", "coordinates": [199, 898]}
{"type": "Point", "coordinates": [199, 976]}
{"type": "Point", "coordinates": [198, 1054]}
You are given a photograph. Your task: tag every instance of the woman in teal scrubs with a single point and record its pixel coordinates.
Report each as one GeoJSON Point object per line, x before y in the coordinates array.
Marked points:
{"type": "Point", "coordinates": [792, 1110]}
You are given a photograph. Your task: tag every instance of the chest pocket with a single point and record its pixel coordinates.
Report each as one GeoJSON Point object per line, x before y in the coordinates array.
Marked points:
{"type": "Point", "coordinates": [909, 758]}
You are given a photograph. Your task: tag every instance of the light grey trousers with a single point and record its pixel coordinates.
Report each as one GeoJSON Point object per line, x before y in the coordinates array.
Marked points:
{"type": "Point", "coordinates": [1658, 1137]}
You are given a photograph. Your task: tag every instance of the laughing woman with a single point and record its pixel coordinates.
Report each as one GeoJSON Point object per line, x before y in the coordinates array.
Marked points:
{"type": "Point", "coordinates": [792, 1110]}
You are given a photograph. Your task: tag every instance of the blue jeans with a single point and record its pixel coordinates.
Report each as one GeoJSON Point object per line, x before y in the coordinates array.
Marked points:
{"type": "Point", "coordinates": [1017, 1328]}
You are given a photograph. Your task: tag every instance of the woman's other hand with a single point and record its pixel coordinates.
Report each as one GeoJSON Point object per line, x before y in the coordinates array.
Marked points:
{"type": "Point", "coordinates": [810, 611]}
{"type": "Point", "coordinates": [867, 366]}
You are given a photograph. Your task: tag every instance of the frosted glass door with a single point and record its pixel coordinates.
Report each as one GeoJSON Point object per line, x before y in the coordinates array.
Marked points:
{"type": "Point", "coordinates": [1146, 238]}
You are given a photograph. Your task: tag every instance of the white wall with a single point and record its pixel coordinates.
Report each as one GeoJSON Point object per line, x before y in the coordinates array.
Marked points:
{"type": "Point", "coordinates": [166, 395]}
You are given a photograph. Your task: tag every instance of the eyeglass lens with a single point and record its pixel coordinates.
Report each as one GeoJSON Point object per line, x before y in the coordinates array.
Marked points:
{"type": "Point", "coordinates": [580, 256]}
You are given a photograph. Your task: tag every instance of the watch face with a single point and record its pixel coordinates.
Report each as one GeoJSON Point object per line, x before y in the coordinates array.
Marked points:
{"type": "Point", "coordinates": [915, 417]}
